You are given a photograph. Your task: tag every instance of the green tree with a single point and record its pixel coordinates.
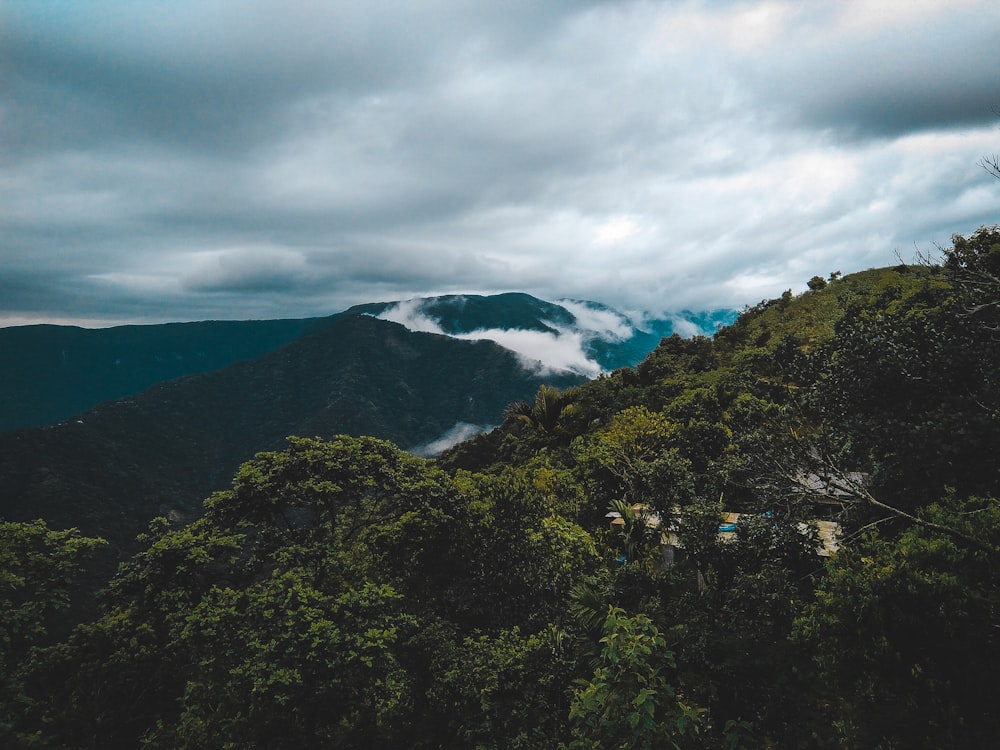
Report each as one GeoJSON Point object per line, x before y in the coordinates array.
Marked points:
{"type": "Point", "coordinates": [734, 652]}
{"type": "Point", "coordinates": [629, 702]}
{"type": "Point", "coordinates": [909, 385]}
{"type": "Point", "coordinates": [973, 265]}
{"type": "Point", "coordinates": [636, 531]}
{"type": "Point", "coordinates": [633, 459]}
{"type": "Point", "coordinates": [906, 633]}
{"type": "Point", "coordinates": [504, 690]}
{"type": "Point", "coordinates": [283, 663]}
{"type": "Point", "coordinates": [293, 612]}
{"type": "Point", "coordinates": [548, 412]}
{"type": "Point", "coordinates": [278, 615]}
{"type": "Point", "coordinates": [38, 570]}
{"type": "Point", "coordinates": [521, 558]}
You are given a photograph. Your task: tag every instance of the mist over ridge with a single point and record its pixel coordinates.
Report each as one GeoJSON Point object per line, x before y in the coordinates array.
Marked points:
{"type": "Point", "coordinates": [580, 336]}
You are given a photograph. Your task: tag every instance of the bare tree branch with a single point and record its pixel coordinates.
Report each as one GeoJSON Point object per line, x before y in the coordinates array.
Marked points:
{"type": "Point", "coordinates": [991, 164]}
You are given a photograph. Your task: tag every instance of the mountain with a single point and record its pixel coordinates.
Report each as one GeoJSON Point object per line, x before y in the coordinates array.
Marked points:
{"type": "Point", "coordinates": [457, 314]}
{"type": "Point", "coordinates": [346, 593]}
{"type": "Point", "coordinates": [112, 468]}
{"type": "Point", "coordinates": [120, 452]}
{"type": "Point", "coordinates": [578, 335]}
{"type": "Point", "coordinates": [49, 373]}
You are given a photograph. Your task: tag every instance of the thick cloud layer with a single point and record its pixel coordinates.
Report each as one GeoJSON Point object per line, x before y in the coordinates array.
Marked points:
{"type": "Point", "coordinates": [189, 160]}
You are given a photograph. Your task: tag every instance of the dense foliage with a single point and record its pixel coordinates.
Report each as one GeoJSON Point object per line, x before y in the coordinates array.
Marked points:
{"type": "Point", "coordinates": [643, 561]}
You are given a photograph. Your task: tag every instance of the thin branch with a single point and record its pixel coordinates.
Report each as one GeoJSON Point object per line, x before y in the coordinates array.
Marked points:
{"type": "Point", "coordinates": [991, 164]}
{"type": "Point", "coordinates": [847, 488]}
{"type": "Point", "coordinates": [864, 495]}
{"type": "Point", "coordinates": [865, 528]}
{"type": "Point", "coordinates": [936, 526]}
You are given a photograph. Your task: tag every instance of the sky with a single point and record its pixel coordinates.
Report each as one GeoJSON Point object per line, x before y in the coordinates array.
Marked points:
{"type": "Point", "coordinates": [213, 159]}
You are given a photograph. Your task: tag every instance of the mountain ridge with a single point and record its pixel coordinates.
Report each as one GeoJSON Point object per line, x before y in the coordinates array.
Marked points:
{"type": "Point", "coordinates": [579, 335]}
{"type": "Point", "coordinates": [49, 373]}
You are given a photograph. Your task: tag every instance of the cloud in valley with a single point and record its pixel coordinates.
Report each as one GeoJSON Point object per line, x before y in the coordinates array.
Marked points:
{"type": "Point", "coordinates": [461, 432]}
{"type": "Point", "coordinates": [540, 351]}
{"type": "Point", "coordinates": [214, 159]}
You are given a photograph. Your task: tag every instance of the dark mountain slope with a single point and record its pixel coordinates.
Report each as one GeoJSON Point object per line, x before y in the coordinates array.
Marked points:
{"type": "Point", "coordinates": [116, 466]}
{"type": "Point", "coordinates": [49, 373]}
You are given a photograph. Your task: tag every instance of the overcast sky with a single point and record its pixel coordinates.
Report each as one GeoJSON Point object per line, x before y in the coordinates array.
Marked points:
{"type": "Point", "coordinates": [170, 160]}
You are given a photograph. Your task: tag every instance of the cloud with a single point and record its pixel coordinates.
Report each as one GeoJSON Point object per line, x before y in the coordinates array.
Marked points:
{"type": "Point", "coordinates": [615, 231]}
{"type": "Point", "coordinates": [602, 323]}
{"type": "Point", "coordinates": [410, 313]}
{"type": "Point", "coordinates": [543, 351]}
{"type": "Point", "coordinates": [687, 328]}
{"type": "Point", "coordinates": [218, 159]}
{"type": "Point", "coordinates": [459, 433]}
{"type": "Point", "coordinates": [562, 348]}
{"type": "Point", "coordinates": [250, 269]}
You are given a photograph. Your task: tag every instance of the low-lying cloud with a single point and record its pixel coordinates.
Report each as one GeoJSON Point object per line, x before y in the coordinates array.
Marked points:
{"type": "Point", "coordinates": [543, 351]}
{"type": "Point", "coordinates": [459, 433]}
{"type": "Point", "coordinates": [609, 325]}
{"type": "Point", "coordinates": [561, 349]}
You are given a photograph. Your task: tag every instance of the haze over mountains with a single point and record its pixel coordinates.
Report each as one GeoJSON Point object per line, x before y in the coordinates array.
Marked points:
{"type": "Point", "coordinates": [161, 451]}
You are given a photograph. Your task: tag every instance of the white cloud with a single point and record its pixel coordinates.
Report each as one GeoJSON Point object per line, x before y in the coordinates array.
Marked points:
{"type": "Point", "coordinates": [686, 328]}
{"type": "Point", "coordinates": [539, 350]}
{"type": "Point", "coordinates": [459, 433]}
{"type": "Point", "coordinates": [604, 324]}
{"type": "Point", "coordinates": [553, 351]}
{"type": "Point", "coordinates": [615, 231]}
{"type": "Point", "coordinates": [409, 313]}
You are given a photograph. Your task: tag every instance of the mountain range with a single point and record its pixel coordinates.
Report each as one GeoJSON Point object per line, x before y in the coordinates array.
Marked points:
{"type": "Point", "coordinates": [49, 373]}
{"type": "Point", "coordinates": [181, 406]}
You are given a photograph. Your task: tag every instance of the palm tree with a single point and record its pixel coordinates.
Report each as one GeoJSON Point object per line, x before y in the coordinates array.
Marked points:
{"type": "Point", "coordinates": [550, 407]}
{"type": "Point", "coordinates": [638, 530]}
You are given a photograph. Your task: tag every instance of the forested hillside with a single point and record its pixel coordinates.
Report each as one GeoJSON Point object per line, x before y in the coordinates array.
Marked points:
{"type": "Point", "coordinates": [49, 373]}
{"type": "Point", "coordinates": [112, 469]}
{"type": "Point", "coordinates": [641, 561]}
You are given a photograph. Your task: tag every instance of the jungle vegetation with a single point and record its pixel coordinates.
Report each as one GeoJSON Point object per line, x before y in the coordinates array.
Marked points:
{"type": "Point", "coordinates": [515, 592]}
